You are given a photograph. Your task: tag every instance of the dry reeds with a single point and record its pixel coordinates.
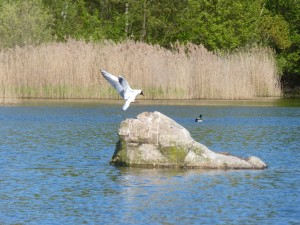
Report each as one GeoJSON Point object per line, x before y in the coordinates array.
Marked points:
{"type": "Point", "coordinates": [71, 70]}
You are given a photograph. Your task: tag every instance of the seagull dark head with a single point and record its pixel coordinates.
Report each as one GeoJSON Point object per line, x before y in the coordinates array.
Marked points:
{"type": "Point", "coordinates": [142, 93]}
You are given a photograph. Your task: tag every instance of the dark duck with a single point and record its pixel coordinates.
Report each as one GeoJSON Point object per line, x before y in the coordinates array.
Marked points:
{"type": "Point", "coordinates": [199, 119]}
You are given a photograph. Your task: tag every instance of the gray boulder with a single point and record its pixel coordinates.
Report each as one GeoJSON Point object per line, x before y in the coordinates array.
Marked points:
{"type": "Point", "coordinates": [155, 140]}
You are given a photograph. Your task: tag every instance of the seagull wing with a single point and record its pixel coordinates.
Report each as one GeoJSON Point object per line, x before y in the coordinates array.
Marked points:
{"type": "Point", "coordinates": [114, 81]}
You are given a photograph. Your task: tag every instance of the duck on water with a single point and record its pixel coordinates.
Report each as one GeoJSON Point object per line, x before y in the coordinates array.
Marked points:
{"type": "Point", "coordinates": [199, 119]}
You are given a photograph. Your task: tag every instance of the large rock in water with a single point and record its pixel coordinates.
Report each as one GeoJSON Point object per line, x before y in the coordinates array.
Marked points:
{"type": "Point", "coordinates": [155, 140]}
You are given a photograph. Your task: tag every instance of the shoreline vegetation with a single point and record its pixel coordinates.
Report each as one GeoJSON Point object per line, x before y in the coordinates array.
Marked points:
{"type": "Point", "coordinates": [71, 70]}
{"type": "Point", "coordinates": [261, 101]}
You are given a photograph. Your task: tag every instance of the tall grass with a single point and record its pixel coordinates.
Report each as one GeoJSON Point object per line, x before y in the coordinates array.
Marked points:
{"type": "Point", "coordinates": [71, 70]}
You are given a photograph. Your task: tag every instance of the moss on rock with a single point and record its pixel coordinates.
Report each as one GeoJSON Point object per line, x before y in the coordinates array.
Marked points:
{"type": "Point", "coordinates": [120, 155]}
{"type": "Point", "coordinates": [175, 154]}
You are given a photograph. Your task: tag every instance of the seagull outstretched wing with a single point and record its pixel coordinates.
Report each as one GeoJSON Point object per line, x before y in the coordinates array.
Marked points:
{"type": "Point", "coordinates": [114, 81]}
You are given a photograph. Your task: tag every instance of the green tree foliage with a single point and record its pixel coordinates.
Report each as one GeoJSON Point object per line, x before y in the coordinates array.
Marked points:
{"type": "Point", "coordinates": [288, 58]}
{"type": "Point", "coordinates": [275, 31]}
{"type": "Point", "coordinates": [24, 22]}
{"type": "Point", "coordinates": [112, 14]}
{"type": "Point", "coordinates": [221, 24]}
{"type": "Point", "coordinates": [155, 21]}
{"type": "Point", "coordinates": [73, 18]}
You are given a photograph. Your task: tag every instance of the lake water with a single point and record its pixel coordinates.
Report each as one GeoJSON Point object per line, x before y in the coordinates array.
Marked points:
{"type": "Point", "coordinates": [54, 167]}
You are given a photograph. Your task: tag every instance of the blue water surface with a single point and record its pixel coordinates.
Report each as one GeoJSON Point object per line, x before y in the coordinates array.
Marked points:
{"type": "Point", "coordinates": [54, 167]}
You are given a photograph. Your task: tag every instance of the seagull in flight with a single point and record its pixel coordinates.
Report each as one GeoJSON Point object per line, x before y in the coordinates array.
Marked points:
{"type": "Point", "coordinates": [122, 87]}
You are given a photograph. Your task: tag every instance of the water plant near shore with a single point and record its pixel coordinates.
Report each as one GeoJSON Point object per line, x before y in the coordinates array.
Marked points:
{"type": "Point", "coordinates": [71, 70]}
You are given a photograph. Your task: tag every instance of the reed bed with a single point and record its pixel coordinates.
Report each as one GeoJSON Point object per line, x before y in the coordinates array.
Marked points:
{"type": "Point", "coordinates": [72, 70]}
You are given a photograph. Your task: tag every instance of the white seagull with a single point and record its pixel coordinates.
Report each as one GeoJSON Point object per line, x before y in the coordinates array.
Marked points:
{"type": "Point", "coordinates": [122, 87]}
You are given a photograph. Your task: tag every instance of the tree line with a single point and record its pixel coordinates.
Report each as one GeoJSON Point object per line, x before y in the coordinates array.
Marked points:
{"type": "Point", "coordinates": [219, 25]}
